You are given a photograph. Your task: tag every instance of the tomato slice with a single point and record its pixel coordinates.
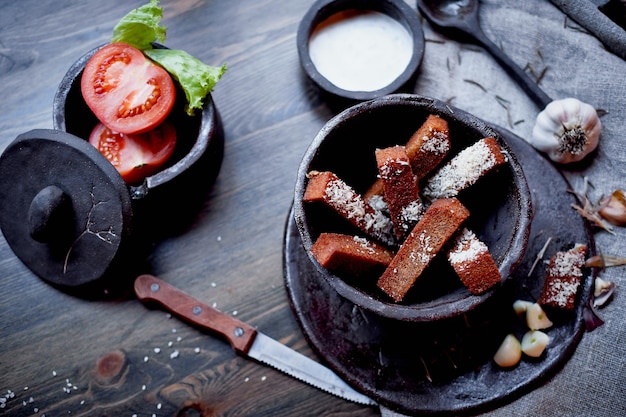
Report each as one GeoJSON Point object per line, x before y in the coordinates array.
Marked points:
{"type": "Point", "coordinates": [125, 90]}
{"type": "Point", "coordinates": [135, 156]}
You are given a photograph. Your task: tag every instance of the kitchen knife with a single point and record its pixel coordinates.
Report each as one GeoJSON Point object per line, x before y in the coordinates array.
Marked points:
{"type": "Point", "coordinates": [245, 339]}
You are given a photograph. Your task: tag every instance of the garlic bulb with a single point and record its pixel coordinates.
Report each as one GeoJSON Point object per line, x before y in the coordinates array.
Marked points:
{"type": "Point", "coordinates": [566, 130]}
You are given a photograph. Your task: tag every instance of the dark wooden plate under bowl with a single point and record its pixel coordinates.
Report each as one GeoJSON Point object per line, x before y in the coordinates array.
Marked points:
{"type": "Point", "coordinates": [499, 203]}
{"type": "Point", "coordinates": [445, 367]}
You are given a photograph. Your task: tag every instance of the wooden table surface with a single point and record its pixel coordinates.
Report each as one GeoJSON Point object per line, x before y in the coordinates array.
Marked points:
{"type": "Point", "coordinates": [58, 351]}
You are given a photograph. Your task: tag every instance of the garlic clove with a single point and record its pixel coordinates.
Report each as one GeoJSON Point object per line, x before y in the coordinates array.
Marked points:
{"type": "Point", "coordinates": [534, 343]}
{"type": "Point", "coordinates": [566, 130]}
{"type": "Point", "coordinates": [521, 307]}
{"type": "Point", "coordinates": [509, 353]}
{"type": "Point", "coordinates": [603, 291]}
{"type": "Point", "coordinates": [600, 286]}
{"type": "Point", "coordinates": [536, 318]}
{"type": "Point", "coordinates": [613, 208]}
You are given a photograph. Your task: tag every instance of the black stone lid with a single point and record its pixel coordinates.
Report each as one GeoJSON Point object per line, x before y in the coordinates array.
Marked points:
{"type": "Point", "coordinates": [64, 209]}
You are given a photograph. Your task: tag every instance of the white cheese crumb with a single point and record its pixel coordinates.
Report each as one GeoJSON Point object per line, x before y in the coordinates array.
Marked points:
{"type": "Point", "coordinates": [461, 171]}
{"type": "Point", "coordinates": [467, 248]}
{"type": "Point", "coordinates": [435, 142]}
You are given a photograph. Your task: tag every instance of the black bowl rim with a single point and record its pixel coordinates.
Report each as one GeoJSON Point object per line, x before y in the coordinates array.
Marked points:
{"type": "Point", "coordinates": [416, 313]}
{"type": "Point", "coordinates": [208, 126]}
{"type": "Point", "coordinates": [323, 9]}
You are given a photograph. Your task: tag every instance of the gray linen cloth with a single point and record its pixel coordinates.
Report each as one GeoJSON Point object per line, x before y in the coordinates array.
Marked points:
{"type": "Point", "coordinates": [588, 15]}
{"type": "Point", "coordinates": [572, 62]}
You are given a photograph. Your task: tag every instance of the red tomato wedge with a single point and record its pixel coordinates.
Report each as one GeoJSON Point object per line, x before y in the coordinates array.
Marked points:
{"type": "Point", "coordinates": [135, 156]}
{"type": "Point", "coordinates": [125, 90]}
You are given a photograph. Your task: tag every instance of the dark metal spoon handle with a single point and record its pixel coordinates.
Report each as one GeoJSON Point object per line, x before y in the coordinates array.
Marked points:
{"type": "Point", "coordinates": [525, 82]}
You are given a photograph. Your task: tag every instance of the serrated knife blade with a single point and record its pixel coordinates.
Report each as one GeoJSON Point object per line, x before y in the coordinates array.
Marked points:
{"type": "Point", "coordinates": [245, 339]}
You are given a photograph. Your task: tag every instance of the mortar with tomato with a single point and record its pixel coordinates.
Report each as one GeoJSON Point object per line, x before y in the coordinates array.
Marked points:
{"type": "Point", "coordinates": [137, 139]}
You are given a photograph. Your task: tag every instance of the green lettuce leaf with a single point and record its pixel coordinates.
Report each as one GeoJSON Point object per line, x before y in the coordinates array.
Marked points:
{"type": "Point", "coordinates": [141, 26]}
{"type": "Point", "coordinates": [195, 77]}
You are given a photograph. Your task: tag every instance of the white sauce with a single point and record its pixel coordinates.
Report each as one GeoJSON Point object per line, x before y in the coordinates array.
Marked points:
{"type": "Point", "coordinates": [360, 50]}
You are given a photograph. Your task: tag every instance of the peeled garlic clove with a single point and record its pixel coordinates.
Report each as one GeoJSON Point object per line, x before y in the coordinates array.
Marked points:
{"type": "Point", "coordinates": [534, 343]}
{"type": "Point", "coordinates": [603, 290]}
{"type": "Point", "coordinates": [566, 130]}
{"type": "Point", "coordinates": [509, 353]}
{"type": "Point", "coordinates": [536, 318]}
{"type": "Point", "coordinates": [521, 307]}
{"type": "Point", "coordinates": [600, 286]}
{"type": "Point", "coordinates": [613, 208]}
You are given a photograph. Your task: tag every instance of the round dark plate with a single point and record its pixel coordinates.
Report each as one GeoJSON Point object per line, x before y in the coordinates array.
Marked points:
{"type": "Point", "coordinates": [446, 367]}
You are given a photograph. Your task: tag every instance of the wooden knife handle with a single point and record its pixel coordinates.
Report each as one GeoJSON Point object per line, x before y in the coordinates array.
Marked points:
{"type": "Point", "coordinates": [239, 334]}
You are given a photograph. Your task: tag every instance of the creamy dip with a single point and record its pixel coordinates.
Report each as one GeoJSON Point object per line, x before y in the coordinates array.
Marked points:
{"type": "Point", "coordinates": [360, 50]}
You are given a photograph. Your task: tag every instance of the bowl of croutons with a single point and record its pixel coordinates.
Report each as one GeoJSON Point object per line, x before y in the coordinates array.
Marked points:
{"type": "Point", "coordinates": [411, 208]}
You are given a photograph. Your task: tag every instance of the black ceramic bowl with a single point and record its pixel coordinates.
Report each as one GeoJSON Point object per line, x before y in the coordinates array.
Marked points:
{"type": "Point", "coordinates": [396, 9]}
{"type": "Point", "coordinates": [500, 203]}
{"type": "Point", "coordinates": [73, 220]}
{"type": "Point", "coordinates": [176, 189]}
